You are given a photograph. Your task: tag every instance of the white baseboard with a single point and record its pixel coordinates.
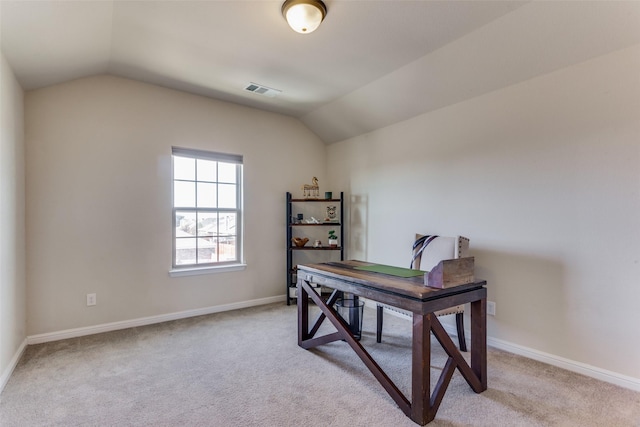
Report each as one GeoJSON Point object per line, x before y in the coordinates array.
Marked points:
{"type": "Point", "coordinates": [12, 365]}
{"type": "Point", "coordinates": [114, 326]}
{"type": "Point", "coordinates": [550, 359]}
{"type": "Point", "coordinates": [568, 364]}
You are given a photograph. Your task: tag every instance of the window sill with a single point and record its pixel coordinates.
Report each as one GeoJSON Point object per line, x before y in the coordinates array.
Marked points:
{"type": "Point", "coordinates": [195, 271]}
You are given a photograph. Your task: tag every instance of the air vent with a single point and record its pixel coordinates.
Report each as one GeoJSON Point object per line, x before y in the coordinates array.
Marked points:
{"type": "Point", "coordinates": [262, 90]}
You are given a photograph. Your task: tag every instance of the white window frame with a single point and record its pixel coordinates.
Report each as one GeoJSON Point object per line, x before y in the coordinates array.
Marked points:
{"type": "Point", "coordinates": [216, 266]}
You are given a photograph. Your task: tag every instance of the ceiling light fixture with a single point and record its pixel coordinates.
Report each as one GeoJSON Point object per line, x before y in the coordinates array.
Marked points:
{"type": "Point", "coordinates": [304, 16]}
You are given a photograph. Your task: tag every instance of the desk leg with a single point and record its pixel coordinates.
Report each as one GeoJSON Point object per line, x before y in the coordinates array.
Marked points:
{"type": "Point", "coordinates": [479, 340]}
{"type": "Point", "coordinates": [306, 341]}
{"type": "Point", "coordinates": [424, 405]}
{"type": "Point", "coordinates": [421, 367]}
{"type": "Point", "coordinates": [303, 314]}
{"type": "Point", "coordinates": [305, 336]}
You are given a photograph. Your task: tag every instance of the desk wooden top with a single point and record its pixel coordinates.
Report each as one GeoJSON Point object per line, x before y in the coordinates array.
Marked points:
{"type": "Point", "coordinates": [411, 287]}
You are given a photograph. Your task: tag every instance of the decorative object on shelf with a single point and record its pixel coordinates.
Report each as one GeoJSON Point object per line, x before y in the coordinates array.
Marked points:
{"type": "Point", "coordinates": [312, 220]}
{"type": "Point", "coordinates": [333, 239]}
{"type": "Point", "coordinates": [331, 214]}
{"type": "Point", "coordinates": [300, 241]}
{"type": "Point", "coordinates": [328, 195]}
{"type": "Point", "coordinates": [311, 191]}
{"type": "Point", "coordinates": [317, 244]}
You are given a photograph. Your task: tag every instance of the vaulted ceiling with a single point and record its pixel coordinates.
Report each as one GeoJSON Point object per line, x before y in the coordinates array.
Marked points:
{"type": "Point", "coordinates": [369, 65]}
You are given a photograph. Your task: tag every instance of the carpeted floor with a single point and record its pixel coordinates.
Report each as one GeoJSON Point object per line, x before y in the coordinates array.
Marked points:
{"type": "Point", "coordinates": [244, 368]}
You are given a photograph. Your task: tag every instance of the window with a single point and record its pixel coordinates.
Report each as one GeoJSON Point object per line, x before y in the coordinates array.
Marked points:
{"type": "Point", "coordinates": [207, 214]}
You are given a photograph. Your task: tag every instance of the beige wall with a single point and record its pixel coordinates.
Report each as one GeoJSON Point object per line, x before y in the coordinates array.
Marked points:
{"type": "Point", "coordinates": [99, 199]}
{"type": "Point", "coordinates": [13, 307]}
{"type": "Point", "coordinates": [544, 178]}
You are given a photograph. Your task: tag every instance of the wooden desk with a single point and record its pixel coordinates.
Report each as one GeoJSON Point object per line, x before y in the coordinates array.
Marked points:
{"type": "Point", "coordinates": [409, 294]}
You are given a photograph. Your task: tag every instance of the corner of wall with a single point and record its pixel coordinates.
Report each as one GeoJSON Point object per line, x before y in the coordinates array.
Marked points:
{"type": "Point", "coordinates": [13, 285]}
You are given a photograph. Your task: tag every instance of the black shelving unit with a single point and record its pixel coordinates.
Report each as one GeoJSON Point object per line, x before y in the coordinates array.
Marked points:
{"type": "Point", "coordinates": [292, 249]}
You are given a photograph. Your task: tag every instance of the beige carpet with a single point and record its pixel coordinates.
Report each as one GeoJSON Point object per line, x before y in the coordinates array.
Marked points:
{"type": "Point", "coordinates": [244, 368]}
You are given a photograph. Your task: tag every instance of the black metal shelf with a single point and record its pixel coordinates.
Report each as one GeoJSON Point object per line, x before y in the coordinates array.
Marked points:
{"type": "Point", "coordinates": [291, 270]}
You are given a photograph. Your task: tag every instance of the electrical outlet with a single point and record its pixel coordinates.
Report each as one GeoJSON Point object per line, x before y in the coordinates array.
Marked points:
{"type": "Point", "coordinates": [91, 299]}
{"type": "Point", "coordinates": [491, 308]}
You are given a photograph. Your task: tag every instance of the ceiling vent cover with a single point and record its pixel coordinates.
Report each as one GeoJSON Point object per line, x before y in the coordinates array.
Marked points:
{"type": "Point", "coordinates": [262, 90]}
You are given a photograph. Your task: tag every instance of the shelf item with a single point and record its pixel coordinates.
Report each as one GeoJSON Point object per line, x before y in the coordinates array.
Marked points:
{"type": "Point", "coordinates": [329, 215]}
{"type": "Point", "coordinates": [299, 242]}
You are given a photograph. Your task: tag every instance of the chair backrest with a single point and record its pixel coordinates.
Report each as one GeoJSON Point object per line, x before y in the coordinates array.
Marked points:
{"type": "Point", "coordinates": [429, 250]}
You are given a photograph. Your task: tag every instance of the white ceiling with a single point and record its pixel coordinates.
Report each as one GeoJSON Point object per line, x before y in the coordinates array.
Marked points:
{"type": "Point", "coordinates": [369, 65]}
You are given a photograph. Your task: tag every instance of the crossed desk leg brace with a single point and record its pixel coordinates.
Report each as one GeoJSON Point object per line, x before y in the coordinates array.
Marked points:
{"type": "Point", "coordinates": [423, 407]}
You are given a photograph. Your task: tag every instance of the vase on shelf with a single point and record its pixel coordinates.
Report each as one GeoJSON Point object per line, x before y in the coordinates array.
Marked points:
{"type": "Point", "coordinates": [300, 241]}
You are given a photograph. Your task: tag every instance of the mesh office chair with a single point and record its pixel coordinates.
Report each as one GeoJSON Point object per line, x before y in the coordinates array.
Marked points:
{"type": "Point", "coordinates": [428, 251]}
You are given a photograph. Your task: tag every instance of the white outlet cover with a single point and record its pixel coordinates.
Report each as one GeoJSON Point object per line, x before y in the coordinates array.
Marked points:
{"type": "Point", "coordinates": [491, 308]}
{"type": "Point", "coordinates": [91, 299]}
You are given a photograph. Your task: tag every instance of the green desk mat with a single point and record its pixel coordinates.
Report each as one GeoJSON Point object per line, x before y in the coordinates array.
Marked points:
{"type": "Point", "coordinates": [390, 270]}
